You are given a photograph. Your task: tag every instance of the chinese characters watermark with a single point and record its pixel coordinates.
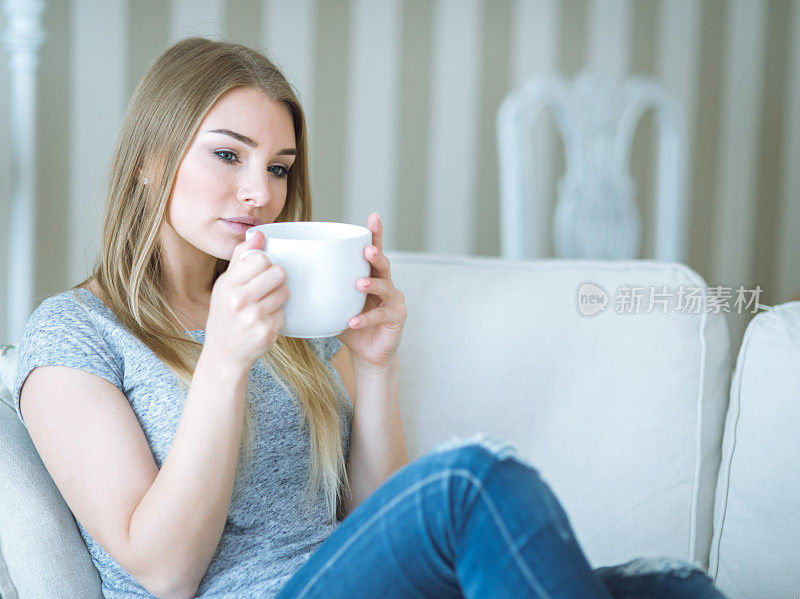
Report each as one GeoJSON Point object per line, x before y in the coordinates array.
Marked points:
{"type": "Point", "coordinates": [592, 299]}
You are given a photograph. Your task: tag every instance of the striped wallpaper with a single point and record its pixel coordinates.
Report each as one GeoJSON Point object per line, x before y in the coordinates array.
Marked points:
{"type": "Point", "coordinates": [401, 97]}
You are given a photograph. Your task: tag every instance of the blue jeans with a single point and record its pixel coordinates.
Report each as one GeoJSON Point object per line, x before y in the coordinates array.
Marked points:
{"type": "Point", "coordinates": [471, 519]}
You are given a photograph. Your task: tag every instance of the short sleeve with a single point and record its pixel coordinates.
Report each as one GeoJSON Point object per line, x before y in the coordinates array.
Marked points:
{"type": "Point", "coordinates": [61, 332]}
{"type": "Point", "coordinates": [326, 347]}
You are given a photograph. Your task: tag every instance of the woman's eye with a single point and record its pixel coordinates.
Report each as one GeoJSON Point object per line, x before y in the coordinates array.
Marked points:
{"type": "Point", "coordinates": [231, 157]}
{"type": "Point", "coordinates": [222, 153]}
{"type": "Point", "coordinates": [280, 171]}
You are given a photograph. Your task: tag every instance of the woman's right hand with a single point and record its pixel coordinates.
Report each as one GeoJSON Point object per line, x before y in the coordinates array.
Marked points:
{"type": "Point", "coordinates": [246, 310]}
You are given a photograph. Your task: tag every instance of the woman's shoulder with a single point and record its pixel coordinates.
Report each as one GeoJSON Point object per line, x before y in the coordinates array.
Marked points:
{"type": "Point", "coordinates": [65, 302]}
{"type": "Point", "coordinates": [65, 330]}
{"type": "Point", "coordinates": [91, 287]}
{"type": "Point", "coordinates": [71, 323]}
{"type": "Point", "coordinates": [70, 310]}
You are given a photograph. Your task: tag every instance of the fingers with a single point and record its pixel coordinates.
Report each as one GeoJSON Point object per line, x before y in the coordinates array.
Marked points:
{"type": "Point", "coordinates": [248, 266]}
{"type": "Point", "coordinates": [378, 260]}
{"type": "Point", "coordinates": [254, 241]}
{"type": "Point", "coordinates": [383, 288]}
{"type": "Point", "coordinates": [268, 287]}
{"type": "Point", "coordinates": [374, 224]}
{"type": "Point", "coordinates": [394, 314]}
{"type": "Point", "coordinates": [273, 300]}
{"type": "Point", "coordinates": [251, 245]}
{"type": "Point", "coordinates": [245, 253]}
{"type": "Point", "coordinates": [374, 253]}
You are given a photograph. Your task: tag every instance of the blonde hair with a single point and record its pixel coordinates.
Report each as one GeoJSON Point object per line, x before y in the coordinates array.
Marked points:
{"type": "Point", "coordinates": [166, 109]}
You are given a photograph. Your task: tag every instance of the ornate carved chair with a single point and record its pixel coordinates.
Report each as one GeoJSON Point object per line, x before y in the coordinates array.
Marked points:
{"type": "Point", "coordinates": [596, 214]}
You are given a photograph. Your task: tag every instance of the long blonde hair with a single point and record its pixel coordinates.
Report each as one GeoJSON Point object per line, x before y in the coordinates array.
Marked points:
{"type": "Point", "coordinates": [166, 109]}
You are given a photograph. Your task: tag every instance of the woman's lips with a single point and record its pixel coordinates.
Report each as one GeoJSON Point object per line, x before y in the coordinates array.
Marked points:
{"type": "Point", "coordinates": [238, 227]}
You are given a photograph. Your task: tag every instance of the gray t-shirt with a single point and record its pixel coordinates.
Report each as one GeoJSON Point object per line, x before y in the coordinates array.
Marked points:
{"type": "Point", "coordinates": [268, 534]}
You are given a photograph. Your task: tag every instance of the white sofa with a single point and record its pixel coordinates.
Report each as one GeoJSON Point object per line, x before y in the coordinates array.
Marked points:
{"type": "Point", "coordinates": [634, 419]}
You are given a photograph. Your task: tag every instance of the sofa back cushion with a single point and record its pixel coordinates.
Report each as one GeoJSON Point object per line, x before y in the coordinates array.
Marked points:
{"type": "Point", "coordinates": [621, 412]}
{"type": "Point", "coordinates": [42, 553]}
{"type": "Point", "coordinates": [754, 553]}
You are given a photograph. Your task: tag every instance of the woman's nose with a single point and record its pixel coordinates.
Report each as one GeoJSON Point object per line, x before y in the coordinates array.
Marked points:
{"type": "Point", "coordinates": [255, 189]}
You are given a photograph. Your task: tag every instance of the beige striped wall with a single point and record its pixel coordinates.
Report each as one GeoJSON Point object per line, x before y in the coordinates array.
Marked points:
{"type": "Point", "coordinates": [401, 97]}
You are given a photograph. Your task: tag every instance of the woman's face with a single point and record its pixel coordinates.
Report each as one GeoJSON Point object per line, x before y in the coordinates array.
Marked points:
{"type": "Point", "coordinates": [241, 172]}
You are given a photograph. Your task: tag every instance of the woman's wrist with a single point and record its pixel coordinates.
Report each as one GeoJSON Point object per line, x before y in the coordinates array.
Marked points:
{"type": "Point", "coordinates": [368, 368]}
{"type": "Point", "coordinates": [222, 367]}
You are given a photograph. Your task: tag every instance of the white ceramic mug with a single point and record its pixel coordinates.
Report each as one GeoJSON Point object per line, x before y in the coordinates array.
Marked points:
{"type": "Point", "coordinates": [323, 261]}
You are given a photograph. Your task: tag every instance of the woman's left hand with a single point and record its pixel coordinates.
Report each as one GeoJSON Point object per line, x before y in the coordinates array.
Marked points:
{"type": "Point", "coordinates": [374, 335]}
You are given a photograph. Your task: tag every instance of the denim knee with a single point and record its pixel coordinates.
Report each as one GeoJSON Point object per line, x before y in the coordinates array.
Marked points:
{"type": "Point", "coordinates": [478, 453]}
{"type": "Point", "coordinates": [480, 445]}
{"type": "Point", "coordinates": [481, 454]}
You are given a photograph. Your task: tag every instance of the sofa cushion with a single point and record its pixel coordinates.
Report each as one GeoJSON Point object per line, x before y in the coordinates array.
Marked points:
{"type": "Point", "coordinates": [754, 553]}
{"type": "Point", "coordinates": [622, 413]}
{"type": "Point", "coordinates": [41, 549]}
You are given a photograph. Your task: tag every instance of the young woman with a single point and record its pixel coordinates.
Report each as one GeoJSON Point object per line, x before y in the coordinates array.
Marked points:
{"type": "Point", "coordinates": [202, 453]}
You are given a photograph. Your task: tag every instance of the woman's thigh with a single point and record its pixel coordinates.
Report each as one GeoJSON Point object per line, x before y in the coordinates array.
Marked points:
{"type": "Point", "coordinates": [464, 521]}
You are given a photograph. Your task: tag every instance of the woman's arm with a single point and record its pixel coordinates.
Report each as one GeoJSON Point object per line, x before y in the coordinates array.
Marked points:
{"type": "Point", "coordinates": [179, 521]}
{"type": "Point", "coordinates": [377, 444]}
{"type": "Point", "coordinates": [162, 525]}
{"type": "Point", "coordinates": [377, 441]}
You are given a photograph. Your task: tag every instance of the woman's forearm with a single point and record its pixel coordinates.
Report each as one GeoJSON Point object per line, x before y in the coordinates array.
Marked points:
{"type": "Point", "coordinates": [377, 440]}
{"type": "Point", "coordinates": [177, 525]}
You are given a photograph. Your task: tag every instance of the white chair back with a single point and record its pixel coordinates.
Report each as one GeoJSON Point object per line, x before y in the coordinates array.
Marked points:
{"type": "Point", "coordinates": [596, 215]}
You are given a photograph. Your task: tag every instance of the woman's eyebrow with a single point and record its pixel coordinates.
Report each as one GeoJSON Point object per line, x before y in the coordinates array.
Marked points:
{"type": "Point", "coordinates": [250, 142]}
